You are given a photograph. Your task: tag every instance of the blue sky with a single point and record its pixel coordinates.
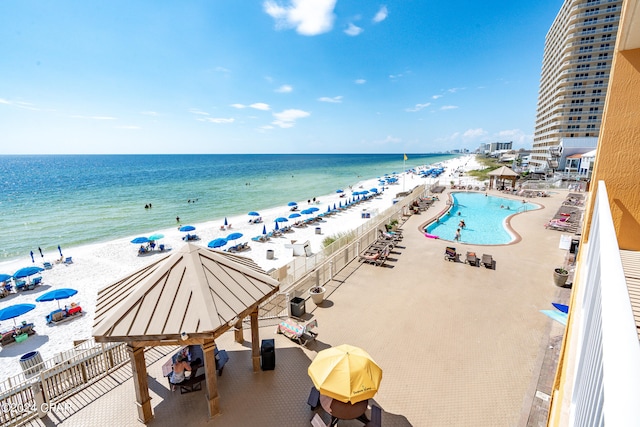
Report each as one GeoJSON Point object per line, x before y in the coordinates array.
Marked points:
{"type": "Point", "coordinates": [278, 76]}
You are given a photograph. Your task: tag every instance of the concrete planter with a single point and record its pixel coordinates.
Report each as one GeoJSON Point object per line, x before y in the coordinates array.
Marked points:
{"type": "Point", "coordinates": [317, 294]}
{"type": "Point", "coordinates": [560, 277]}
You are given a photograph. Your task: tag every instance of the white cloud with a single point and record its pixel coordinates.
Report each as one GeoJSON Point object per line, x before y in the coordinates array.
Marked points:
{"type": "Point", "coordinates": [418, 107]}
{"type": "Point", "coordinates": [19, 104]}
{"type": "Point", "coordinates": [353, 30]}
{"type": "Point", "coordinates": [360, 81]}
{"type": "Point", "coordinates": [149, 113]}
{"type": "Point", "coordinates": [287, 118]}
{"type": "Point", "coordinates": [335, 99]}
{"type": "Point", "coordinates": [308, 17]}
{"type": "Point", "coordinates": [448, 107]}
{"type": "Point", "coordinates": [260, 106]}
{"type": "Point", "coordinates": [473, 134]}
{"type": "Point", "coordinates": [239, 106]}
{"type": "Point", "coordinates": [222, 70]}
{"type": "Point", "coordinates": [395, 76]}
{"type": "Point", "coordinates": [93, 117]}
{"type": "Point", "coordinates": [454, 89]}
{"type": "Point", "coordinates": [436, 96]}
{"type": "Point", "coordinates": [285, 89]}
{"type": "Point", "coordinates": [381, 15]}
{"type": "Point", "coordinates": [199, 112]}
{"type": "Point", "coordinates": [218, 120]}
{"type": "Point", "coordinates": [515, 135]}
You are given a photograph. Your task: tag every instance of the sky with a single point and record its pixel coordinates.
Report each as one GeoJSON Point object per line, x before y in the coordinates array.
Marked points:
{"type": "Point", "coordinates": [268, 76]}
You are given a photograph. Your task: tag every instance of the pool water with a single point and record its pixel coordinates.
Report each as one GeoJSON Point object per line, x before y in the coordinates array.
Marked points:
{"type": "Point", "coordinates": [484, 218]}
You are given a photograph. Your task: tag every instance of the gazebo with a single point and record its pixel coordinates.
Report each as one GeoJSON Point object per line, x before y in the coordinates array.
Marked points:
{"type": "Point", "coordinates": [503, 173]}
{"type": "Point", "coordinates": [189, 297]}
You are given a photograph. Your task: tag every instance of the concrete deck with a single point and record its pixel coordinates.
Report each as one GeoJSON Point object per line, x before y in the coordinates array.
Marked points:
{"type": "Point", "coordinates": [459, 345]}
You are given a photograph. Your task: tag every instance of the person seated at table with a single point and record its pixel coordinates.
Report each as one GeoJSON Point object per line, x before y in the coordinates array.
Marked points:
{"type": "Point", "coordinates": [179, 368]}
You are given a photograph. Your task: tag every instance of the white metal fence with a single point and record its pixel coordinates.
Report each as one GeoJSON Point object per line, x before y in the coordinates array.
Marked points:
{"type": "Point", "coordinates": [606, 388]}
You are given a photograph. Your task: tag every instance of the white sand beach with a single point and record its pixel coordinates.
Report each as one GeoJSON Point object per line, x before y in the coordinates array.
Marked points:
{"type": "Point", "coordinates": [97, 265]}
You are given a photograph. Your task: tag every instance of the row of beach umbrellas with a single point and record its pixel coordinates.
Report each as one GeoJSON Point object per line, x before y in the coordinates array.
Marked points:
{"type": "Point", "coordinates": [17, 310]}
{"type": "Point", "coordinates": [219, 242]}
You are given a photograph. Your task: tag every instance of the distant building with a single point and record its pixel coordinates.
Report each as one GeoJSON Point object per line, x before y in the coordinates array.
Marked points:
{"type": "Point", "coordinates": [495, 148]}
{"type": "Point", "coordinates": [573, 84]}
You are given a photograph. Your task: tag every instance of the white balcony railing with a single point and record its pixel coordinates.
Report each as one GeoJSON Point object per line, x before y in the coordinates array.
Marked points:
{"type": "Point", "coordinates": [606, 387]}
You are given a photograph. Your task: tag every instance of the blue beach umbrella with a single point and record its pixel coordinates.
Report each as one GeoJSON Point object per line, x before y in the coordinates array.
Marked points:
{"type": "Point", "coordinates": [32, 260]}
{"type": "Point", "coordinates": [292, 204]}
{"type": "Point", "coordinates": [234, 236]}
{"type": "Point", "coordinates": [5, 277]}
{"type": "Point", "coordinates": [328, 208]}
{"type": "Point", "coordinates": [59, 250]}
{"type": "Point", "coordinates": [14, 311]}
{"type": "Point", "coordinates": [364, 192]}
{"type": "Point", "coordinates": [374, 190]}
{"type": "Point", "coordinates": [156, 236]}
{"type": "Point", "coordinates": [139, 240]}
{"type": "Point", "coordinates": [339, 191]}
{"type": "Point", "coordinates": [294, 215]}
{"type": "Point", "coordinates": [264, 229]}
{"type": "Point", "coordinates": [187, 228]}
{"type": "Point", "coordinates": [57, 295]}
{"type": "Point", "coordinates": [217, 243]}
{"type": "Point", "coordinates": [225, 221]}
{"type": "Point", "coordinates": [277, 228]}
{"type": "Point", "coordinates": [253, 213]}
{"type": "Point", "coordinates": [314, 209]}
{"type": "Point", "coordinates": [26, 272]}
{"type": "Point", "coordinates": [281, 219]}
{"type": "Point", "coordinates": [307, 212]}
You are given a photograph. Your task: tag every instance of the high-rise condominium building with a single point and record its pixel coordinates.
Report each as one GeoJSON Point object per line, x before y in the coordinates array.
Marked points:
{"type": "Point", "coordinates": [573, 84]}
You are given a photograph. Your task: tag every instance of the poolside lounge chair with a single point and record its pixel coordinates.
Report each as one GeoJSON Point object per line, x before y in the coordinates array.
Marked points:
{"type": "Point", "coordinates": [450, 254]}
{"type": "Point", "coordinates": [487, 261]}
{"type": "Point", "coordinates": [47, 265]}
{"type": "Point", "coordinates": [302, 334]}
{"type": "Point", "coordinates": [472, 259]}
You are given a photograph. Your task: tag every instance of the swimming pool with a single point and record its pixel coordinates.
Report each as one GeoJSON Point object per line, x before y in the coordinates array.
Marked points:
{"type": "Point", "coordinates": [484, 218]}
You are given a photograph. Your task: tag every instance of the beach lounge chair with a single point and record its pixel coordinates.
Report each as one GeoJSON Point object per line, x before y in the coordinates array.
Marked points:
{"type": "Point", "coordinates": [472, 259]}
{"type": "Point", "coordinates": [450, 254]}
{"type": "Point", "coordinates": [302, 334]}
{"type": "Point", "coordinates": [47, 265]}
{"type": "Point", "coordinates": [68, 260]}
{"type": "Point", "coordinates": [487, 261]}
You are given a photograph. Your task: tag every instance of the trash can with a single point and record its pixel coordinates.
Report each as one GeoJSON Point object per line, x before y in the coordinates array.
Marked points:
{"type": "Point", "coordinates": [31, 363]}
{"type": "Point", "coordinates": [318, 230]}
{"type": "Point", "coordinates": [298, 307]}
{"type": "Point", "coordinates": [269, 253]}
{"type": "Point", "coordinates": [573, 249]}
{"type": "Point", "coordinates": [268, 355]}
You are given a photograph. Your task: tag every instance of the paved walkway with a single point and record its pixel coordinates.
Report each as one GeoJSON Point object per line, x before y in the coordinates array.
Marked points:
{"type": "Point", "coordinates": [459, 345]}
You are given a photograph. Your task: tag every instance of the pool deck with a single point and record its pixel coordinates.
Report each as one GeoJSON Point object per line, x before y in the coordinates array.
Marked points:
{"type": "Point", "coordinates": [459, 345]}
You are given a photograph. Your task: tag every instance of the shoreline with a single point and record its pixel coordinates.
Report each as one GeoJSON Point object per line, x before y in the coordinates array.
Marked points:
{"type": "Point", "coordinates": [97, 265]}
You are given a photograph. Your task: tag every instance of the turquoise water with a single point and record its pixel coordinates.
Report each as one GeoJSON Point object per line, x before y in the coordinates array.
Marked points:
{"type": "Point", "coordinates": [71, 200]}
{"type": "Point", "coordinates": [484, 218]}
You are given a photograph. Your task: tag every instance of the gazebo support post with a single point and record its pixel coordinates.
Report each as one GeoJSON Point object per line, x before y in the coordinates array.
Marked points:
{"type": "Point", "coordinates": [213, 399]}
{"type": "Point", "coordinates": [238, 332]}
{"type": "Point", "coordinates": [139, 371]}
{"type": "Point", "coordinates": [255, 341]}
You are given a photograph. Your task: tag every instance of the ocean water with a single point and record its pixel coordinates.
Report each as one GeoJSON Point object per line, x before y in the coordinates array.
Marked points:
{"type": "Point", "coordinates": [71, 200]}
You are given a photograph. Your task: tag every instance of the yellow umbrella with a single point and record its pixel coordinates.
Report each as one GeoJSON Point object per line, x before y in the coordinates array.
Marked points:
{"type": "Point", "coordinates": [345, 373]}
